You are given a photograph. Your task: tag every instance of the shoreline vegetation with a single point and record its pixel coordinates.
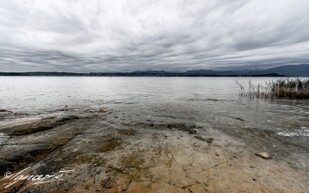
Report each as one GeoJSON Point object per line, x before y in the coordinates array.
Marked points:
{"type": "Point", "coordinates": [289, 88]}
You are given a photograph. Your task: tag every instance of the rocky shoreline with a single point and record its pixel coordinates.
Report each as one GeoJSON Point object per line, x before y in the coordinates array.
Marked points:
{"type": "Point", "coordinates": [101, 156]}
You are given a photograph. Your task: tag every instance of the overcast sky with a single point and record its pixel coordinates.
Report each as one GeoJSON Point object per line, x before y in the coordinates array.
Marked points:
{"type": "Point", "coordinates": [127, 35]}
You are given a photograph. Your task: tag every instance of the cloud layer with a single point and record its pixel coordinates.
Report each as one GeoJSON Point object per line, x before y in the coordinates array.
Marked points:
{"type": "Point", "coordinates": [122, 35]}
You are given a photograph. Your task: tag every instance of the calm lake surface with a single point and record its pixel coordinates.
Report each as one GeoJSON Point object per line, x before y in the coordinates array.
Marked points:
{"type": "Point", "coordinates": [203, 101]}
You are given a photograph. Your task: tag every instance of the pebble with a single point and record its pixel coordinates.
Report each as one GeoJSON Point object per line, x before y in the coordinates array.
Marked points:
{"type": "Point", "coordinates": [196, 145]}
{"type": "Point", "coordinates": [209, 140]}
{"type": "Point", "coordinates": [264, 155]}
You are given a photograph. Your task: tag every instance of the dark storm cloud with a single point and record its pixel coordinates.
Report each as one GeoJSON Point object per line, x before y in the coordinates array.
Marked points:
{"type": "Point", "coordinates": [122, 35]}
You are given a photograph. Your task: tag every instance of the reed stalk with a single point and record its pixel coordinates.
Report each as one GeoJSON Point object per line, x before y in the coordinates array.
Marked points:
{"type": "Point", "coordinates": [289, 88]}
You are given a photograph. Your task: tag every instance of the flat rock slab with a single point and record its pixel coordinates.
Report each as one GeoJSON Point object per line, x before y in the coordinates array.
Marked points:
{"type": "Point", "coordinates": [104, 157]}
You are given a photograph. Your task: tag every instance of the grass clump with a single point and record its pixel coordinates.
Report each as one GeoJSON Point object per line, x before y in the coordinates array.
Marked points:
{"type": "Point", "coordinates": [289, 88]}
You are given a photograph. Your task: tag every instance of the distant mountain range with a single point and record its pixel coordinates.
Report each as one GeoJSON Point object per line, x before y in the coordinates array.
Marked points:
{"type": "Point", "coordinates": [287, 71]}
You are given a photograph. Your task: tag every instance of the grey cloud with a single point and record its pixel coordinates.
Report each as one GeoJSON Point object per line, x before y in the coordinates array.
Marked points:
{"type": "Point", "coordinates": [88, 36]}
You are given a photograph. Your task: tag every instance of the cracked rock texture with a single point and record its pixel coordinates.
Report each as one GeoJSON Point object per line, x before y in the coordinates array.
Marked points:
{"type": "Point", "coordinates": [152, 157]}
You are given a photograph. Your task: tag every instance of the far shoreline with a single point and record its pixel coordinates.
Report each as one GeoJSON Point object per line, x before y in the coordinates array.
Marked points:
{"type": "Point", "coordinates": [9, 74]}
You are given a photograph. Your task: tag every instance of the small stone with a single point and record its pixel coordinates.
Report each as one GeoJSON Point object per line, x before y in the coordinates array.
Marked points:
{"type": "Point", "coordinates": [200, 138]}
{"type": "Point", "coordinates": [107, 183]}
{"type": "Point", "coordinates": [102, 110]}
{"type": "Point", "coordinates": [209, 140]}
{"type": "Point", "coordinates": [264, 155]}
{"type": "Point", "coordinates": [196, 145]}
{"type": "Point", "coordinates": [192, 131]}
{"type": "Point", "coordinates": [98, 171]}
{"type": "Point", "coordinates": [240, 119]}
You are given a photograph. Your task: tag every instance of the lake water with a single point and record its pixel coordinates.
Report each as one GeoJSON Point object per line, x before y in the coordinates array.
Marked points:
{"type": "Point", "coordinates": [204, 101]}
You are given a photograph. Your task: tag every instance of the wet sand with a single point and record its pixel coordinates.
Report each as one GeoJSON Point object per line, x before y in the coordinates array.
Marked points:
{"type": "Point", "coordinates": [103, 154]}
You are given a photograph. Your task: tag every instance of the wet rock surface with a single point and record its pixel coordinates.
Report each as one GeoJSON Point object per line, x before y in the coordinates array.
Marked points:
{"type": "Point", "coordinates": [97, 152]}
